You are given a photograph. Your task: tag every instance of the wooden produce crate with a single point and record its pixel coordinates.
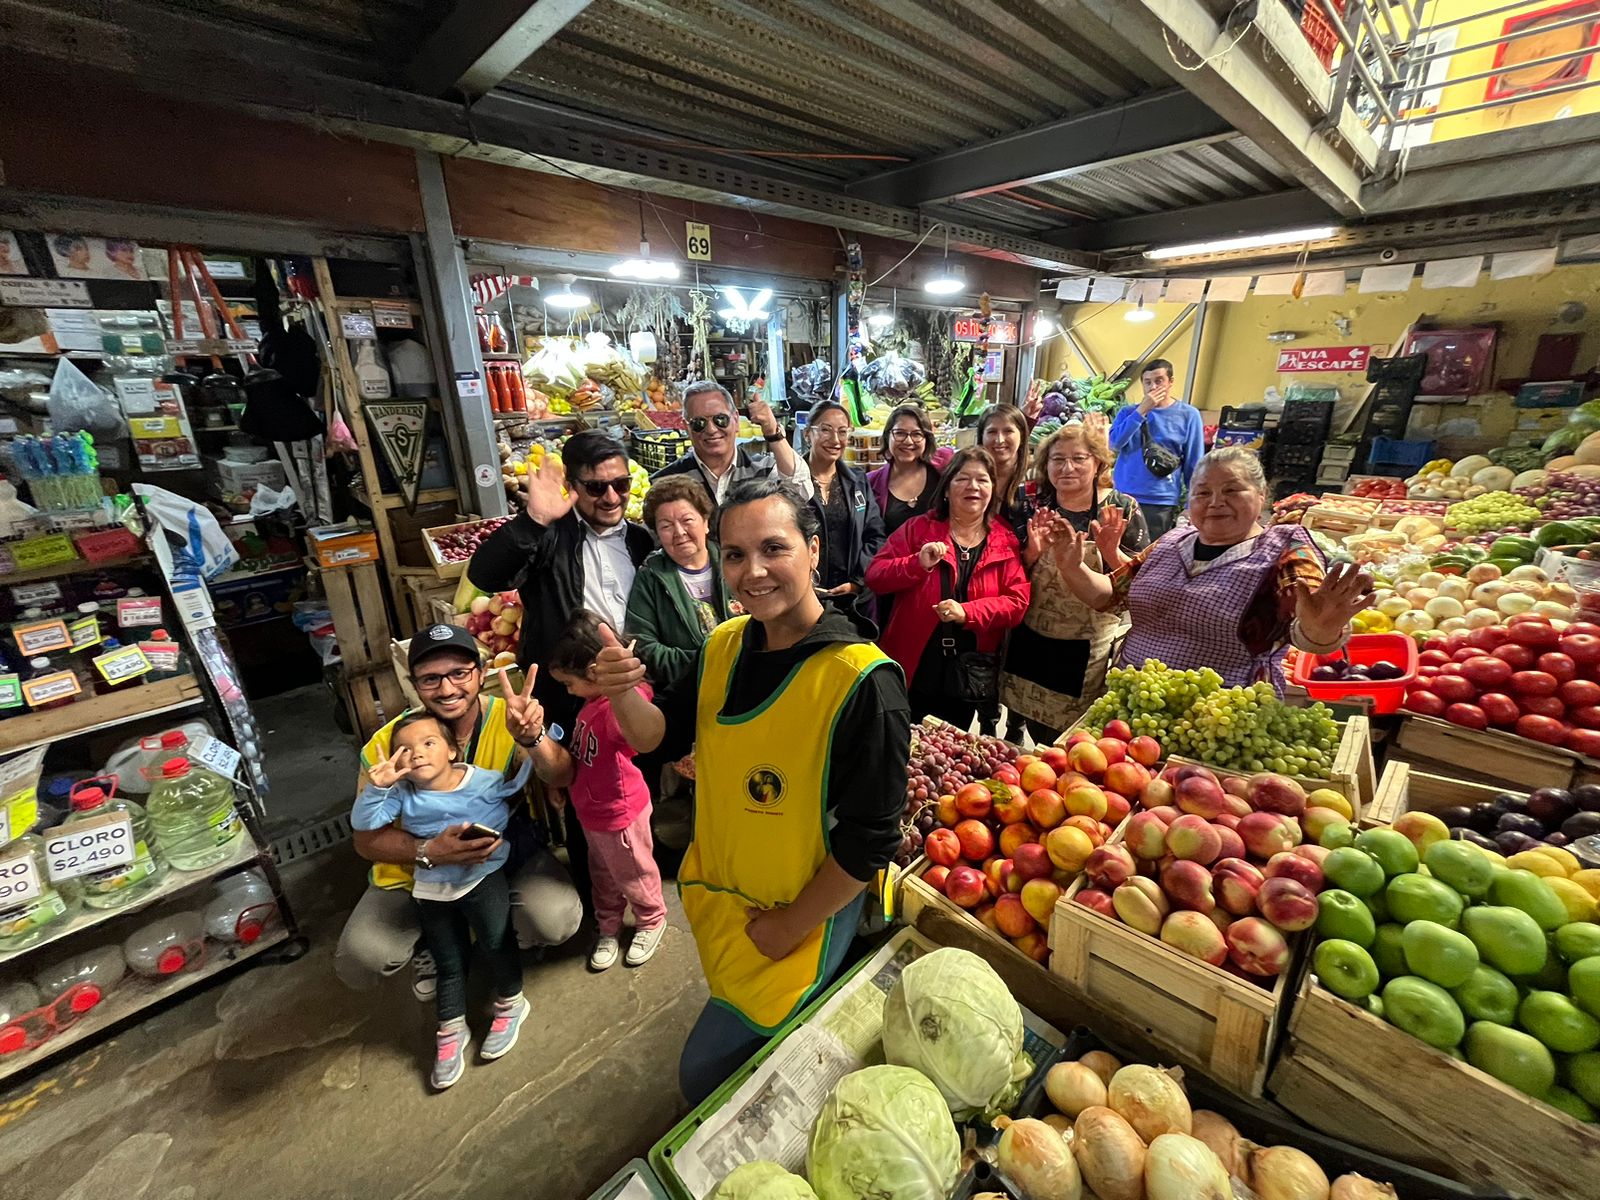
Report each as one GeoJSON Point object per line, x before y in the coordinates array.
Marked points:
{"type": "Point", "coordinates": [1405, 788]}
{"type": "Point", "coordinates": [423, 594]}
{"type": "Point", "coordinates": [372, 692]}
{"type": "Point", "coordinates": [914, 897]}
{"type": "Point", "coordinates": [1354, 1076]}
{"type": "Point", "coordinates": [1336, 522]}
{"type": "Point", "coordinates": [1490, 755]}
{"type": "Point", "coordinates": [441, 567]}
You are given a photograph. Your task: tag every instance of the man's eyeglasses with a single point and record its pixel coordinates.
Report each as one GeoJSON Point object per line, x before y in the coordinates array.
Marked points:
{"type": "Point", "coordinates": [908, 435]}
{"type": "Point", "coordinates": [720, 420]}
{"type": "Point", "coordinates": [597, 488]}
{"type": "Point", "coordinates": [432, 683]}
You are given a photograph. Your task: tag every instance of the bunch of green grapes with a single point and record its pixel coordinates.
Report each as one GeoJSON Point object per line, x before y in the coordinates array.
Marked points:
{"type": "Point", "coordinates": [1492, 510]}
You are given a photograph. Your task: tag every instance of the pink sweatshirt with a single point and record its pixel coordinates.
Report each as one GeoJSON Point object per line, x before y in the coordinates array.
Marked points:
{"type": "Point", "coordinates": [608, 791]}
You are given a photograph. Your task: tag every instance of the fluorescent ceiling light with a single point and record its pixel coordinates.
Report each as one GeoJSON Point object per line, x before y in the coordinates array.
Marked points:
{"type": "Point", "coordinates": [947, 282]}
{"type": "Point", "coordinates": [568, 297]}
{"type": "Point", "coordinates": [1254, 241]}
{"type": "Point", "coordinates": [740, 310]}
{"type": "Point", "coordinates": [644, 267]}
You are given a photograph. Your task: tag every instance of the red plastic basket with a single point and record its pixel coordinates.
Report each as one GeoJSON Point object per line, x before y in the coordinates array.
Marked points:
{"type": "Point", "coordinates": [1319, 31]}
{"type": "Point", "coordinates": [1364, 649]}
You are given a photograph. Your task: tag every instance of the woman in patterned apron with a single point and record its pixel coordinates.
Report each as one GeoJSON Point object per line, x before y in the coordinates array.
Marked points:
{"type": "Point", "coordinates": [1225, 593]}
{"type": "Point", "coordinates": [1056, 659]}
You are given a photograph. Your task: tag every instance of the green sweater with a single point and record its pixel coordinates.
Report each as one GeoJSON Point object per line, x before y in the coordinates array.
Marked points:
{"type": "Point", "coordinates": [662, 618]}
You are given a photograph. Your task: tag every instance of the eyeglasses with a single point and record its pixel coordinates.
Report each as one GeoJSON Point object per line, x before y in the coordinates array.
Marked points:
{"type": "Point", "coordinates": [596, 488]}
{"type": "Point", "coordinates": [432, 683]}
{"type": "Point", "coordinates": [720, 420]}
{"type": "Point", "coordinates": [908, 435]}
{"type": "Point", "coordinates": [828, 433]}
{"type": "Point", "coordinates": [1076, 461]}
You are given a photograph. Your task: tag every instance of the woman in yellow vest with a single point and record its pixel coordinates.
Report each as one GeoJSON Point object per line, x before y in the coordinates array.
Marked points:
{"type": "Point", "coordinates": [801, 732]}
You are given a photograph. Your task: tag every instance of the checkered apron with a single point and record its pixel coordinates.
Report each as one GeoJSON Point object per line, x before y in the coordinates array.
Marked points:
{"type": "Point", "coordinates": [1190, 621]}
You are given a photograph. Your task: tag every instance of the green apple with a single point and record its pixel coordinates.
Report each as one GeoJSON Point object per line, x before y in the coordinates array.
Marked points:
{"type": "Point", "coordinates": [1345, 969]}
{"type": "Point", "coordinates": [1557, 1022]}
{"type": "Point", "coordinates": [1570, 1103]}
{"type": "Point", "coordinates": [1342, 914]}
{"type": "Point", "coordinates": [1388, 950]}
{"type": "Point", "coordinates": [1583, 981]}
{"type": "Point", "coordinates": [1336, 835]}
{"type": "Point", "coordinates": [1511, 1056]}
{"type": "Point", "coordinates": [1579, 939]}
{"type": "Point", "coordinates": [1582, 1073]}
{"type": "Point", "coordinates": [1488, 995]}
{"type": "Point", "coordinates": [1552, 977]}
{"type": "Point", "coordinates": [1437, 954]}
{"type": "Point", "coordinates": [1462, 865]}
{"type": "Point", "coordinates": [1420, 898]}
{"type": "Point", "coordinates": [1354, 870]}
{"type": "Point", "coordinates": [1394, 851]}
{"type": "Point", "coordinates": [1378, 906]}
{"type": "Point", "coordinates": [1525, 890]}
{"type": "Point", "coordinates": [1374, 1005]}
{"type": "Point", "coordinates": [1507, 939]}
{"type": "Point", "coordinates": [1425, 1011]}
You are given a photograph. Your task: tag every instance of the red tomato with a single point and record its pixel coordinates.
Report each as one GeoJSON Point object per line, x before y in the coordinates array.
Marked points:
{"type": "Point", "coordinates": [1520, 657]}
{"type": "Point", "coordinates": [1489, 636]}
{"type": "Point", "coordinates": [1433, 658]}
{"type": "Point", "coordinates": [1466, 652]}
{"type": "Point", "coordinates": [1424, 702]}
{"type": "Point", "coordinates": [1486, 672]}
{"type": "Point", "coordinates": [1543, 729]}
{"type": "Point", "coordinates": [1538, 634]}
{"type": "Point", "coordinates": [1455, 641]}
{"type": "Point", "coordinates": [1587, 716]}
{"type": "Point", "coordinates": [1583, 648]}
{"type": "Point", "coordinates": [1587, 628]}
{"type": "Point", "coordinates": [1500, 708]}
{"type": "Point", "coordinates": [1454, 689]}
{"type": "Point", "coordinates": [1553, 662]}
{"type": "Point", "coordinates": [1427, 672]}
{"type": "Point", "coordinates": [1542, 706]}
{"type": "Point", "coordinates": [1533, 683]}
{"type": "Point", "coordinates": [1579, 693]}
{"type": "Point", "coordinates": [1450, 668]}
{"type": "Point", "coordinates": [1584, 741]}
{"type": "Point", "coordinates": [1469, 715]}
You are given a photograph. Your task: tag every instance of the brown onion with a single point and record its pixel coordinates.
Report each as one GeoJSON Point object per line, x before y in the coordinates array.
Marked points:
{"type": "Point", "coordinates": [1073, 1087]}
{"type": "Point", "coordinates": [1284, 1173]}
{"type": "Point", "coordinates": [1102, 1064]}
{"type": "Point", "coordinates": [1110, 1154]}
{"type": "Point", "coordinates": [1218, 1132]}
{"type": "Point", "coordinates": [1180, 1167]}
{"type": "Point", "coordinates": [1062, 1125]}
{"type": "Point", "coordinates": [1151, 1101]}
{"type": "Point", "coordinates": [1359, 1187]}
{"type": "Point", "coordinates": [1037, 1159]}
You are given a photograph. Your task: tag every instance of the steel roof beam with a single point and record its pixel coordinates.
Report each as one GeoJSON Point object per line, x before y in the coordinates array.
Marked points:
{"type": "Point", "coordinates": [1118, 133]}
{"type": "Point", "coordinates": [1199, 223]}
{"type": "Point", "coordinates": [483, 41]}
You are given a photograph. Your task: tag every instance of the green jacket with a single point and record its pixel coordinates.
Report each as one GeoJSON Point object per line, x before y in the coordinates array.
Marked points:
{"type": "Point", "coordinates": [662, 618]}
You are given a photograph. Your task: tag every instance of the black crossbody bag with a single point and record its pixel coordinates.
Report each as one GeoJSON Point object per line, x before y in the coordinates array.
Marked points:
{"type": "Point", "coordinates": [1158, 460]}
{"type": "Point", "coordinates": [970, 675]}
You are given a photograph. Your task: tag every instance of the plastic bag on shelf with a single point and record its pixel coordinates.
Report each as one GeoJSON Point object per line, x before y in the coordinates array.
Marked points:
{"type": "Point", "coordinates": [893, 376]}
{"type": "Point", "coordinates": [811, 382]}
{"type": "Point", "coordinates": [77, 402]}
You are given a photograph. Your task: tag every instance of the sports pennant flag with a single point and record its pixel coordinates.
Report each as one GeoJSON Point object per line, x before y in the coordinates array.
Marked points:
{"type": "Point", "coordinates": [397, 426]}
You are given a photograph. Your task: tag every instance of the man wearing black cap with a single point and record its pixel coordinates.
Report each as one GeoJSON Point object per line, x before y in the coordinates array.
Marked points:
{"type": "Point", "coordinates": [381, 935]}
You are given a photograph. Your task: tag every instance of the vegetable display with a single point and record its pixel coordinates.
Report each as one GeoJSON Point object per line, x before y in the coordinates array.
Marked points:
{"type": "Point", "coordinates": [762, 1181]}
{"type": "Point", "coordinates": [885, 1132]}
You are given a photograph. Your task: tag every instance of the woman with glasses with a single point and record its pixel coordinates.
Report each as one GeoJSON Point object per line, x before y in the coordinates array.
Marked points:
{"type": "Point", "coordinates": [678, 595]}
{"type": "Point", "coordinates": [1056, 659]}
{"type": "Point", "coordinates": [904, 485]}
{"type": "Point", "coordinates": [847, 512]}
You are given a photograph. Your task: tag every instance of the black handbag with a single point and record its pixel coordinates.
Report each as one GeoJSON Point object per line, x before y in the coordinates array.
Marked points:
{"type": "Point", "coordinates": [969, 674]}
{"type": "Point", "coordinates": [1158, 460]}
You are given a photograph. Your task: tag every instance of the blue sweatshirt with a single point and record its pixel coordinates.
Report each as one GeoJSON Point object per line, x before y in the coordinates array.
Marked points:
{"type": "Point", "coordinates": [1177, 427]}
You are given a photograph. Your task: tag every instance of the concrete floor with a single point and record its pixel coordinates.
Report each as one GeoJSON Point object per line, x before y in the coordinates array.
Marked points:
{"type": "Point", "coordinates": [278, 1082]}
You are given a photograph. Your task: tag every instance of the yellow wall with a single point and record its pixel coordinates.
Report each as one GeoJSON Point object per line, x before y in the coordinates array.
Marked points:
{"type": "Point", "coordinates": [1507, 116]}
{"type": "Point", "coordinates": [1238, 364]}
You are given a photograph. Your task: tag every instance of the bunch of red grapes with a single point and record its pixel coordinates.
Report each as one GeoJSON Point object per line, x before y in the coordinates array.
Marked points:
{"type": "Point", "coordinates": [943, 760]}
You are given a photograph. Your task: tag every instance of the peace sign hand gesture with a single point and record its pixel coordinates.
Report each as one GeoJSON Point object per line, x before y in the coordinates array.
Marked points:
{"type": "Point", "coordinates": [1325, 612]}
{"type": "Point", "coordinates": [524, 714]}
{"type": "Point", "coordinates": [391, 770]}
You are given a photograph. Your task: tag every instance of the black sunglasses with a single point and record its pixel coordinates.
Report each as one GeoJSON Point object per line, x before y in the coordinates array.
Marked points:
{"type": "Point", "coordinates": [720, 420]}
{"type": "Point", "coordinates": [597, 488]}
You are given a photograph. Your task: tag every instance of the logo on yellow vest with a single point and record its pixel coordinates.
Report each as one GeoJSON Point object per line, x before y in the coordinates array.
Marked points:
{"type": "Point", "coordinates": [765, 785]}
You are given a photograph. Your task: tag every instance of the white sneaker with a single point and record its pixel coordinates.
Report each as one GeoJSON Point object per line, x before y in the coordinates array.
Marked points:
{"type": "Point", "coordinates": [604, 954]}
{"type": "Point", "coordinates": [644, 944]}
{"type": "Point", "coordinates": [425, 977]}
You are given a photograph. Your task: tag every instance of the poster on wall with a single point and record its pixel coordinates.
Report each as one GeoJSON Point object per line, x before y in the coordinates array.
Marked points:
{"type": "Point", "coordinates": [11, 261]}
{"type": "Point", "coordinates": [1323, 359]}
{"type": "Point", "coordinates": [78, 257]}
{"type": "Point", "coordinates": [1552, 47]}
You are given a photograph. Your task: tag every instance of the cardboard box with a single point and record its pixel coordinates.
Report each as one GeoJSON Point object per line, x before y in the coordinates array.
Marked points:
{"type": "Point", "coordinates": [234, 483]}
{"type": "Point", "coordinates": [344, 545]}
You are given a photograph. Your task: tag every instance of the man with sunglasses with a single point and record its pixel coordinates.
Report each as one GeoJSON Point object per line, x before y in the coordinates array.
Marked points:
{"type": "Point", "coordinates": [381, 935]}
{"type": "Point", "coordinates": [717, 455]}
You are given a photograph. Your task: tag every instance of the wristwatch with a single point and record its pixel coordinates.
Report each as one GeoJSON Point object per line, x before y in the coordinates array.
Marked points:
{"type": "Point", "coordinates": [780, 436]}
{"type": "Point", "coordinates": [422, 860]}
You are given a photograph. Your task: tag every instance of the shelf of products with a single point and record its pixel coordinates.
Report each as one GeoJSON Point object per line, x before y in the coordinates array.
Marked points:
{"type": "Point", "coordinates": [60, 570]}
{"type": "Point", "coordinates": [101, 712]}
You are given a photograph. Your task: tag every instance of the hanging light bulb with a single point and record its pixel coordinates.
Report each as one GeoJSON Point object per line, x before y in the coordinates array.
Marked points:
{"type": "Point", "coordinates": [644, 267]}
{"type": "Point", "coordinates": [948, 280]}
{"type": "Point", "coordinates": [881, 319]}
{"type": "Point", "coordinates": [1141, 313]}
{"type": "Point", "coordinates": [1043, 326]}
{"type": "Point", "coordinates": [568, 298]}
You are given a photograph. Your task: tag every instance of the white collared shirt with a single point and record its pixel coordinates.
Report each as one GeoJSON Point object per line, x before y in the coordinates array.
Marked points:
{"type": "Point", "coordinates": [607, 571]}
{"type": "Point", "coordinates": [762, 465]}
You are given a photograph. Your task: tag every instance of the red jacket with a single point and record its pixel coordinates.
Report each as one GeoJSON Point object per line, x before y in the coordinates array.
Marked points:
{"type": "Point", "coordinates": [997, 597]}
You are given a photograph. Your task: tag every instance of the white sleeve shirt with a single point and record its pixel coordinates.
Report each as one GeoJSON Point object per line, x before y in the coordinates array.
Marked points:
{"type": "Point", "coordinates": [607, 572]}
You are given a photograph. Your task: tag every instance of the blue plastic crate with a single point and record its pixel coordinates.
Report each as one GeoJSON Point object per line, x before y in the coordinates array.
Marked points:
{"type": "Point", "coordinates": [1400, 453]}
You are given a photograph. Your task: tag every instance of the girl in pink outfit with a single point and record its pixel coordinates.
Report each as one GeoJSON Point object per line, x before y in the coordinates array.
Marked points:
{"type": "Point", "coordinates": [610, 799]}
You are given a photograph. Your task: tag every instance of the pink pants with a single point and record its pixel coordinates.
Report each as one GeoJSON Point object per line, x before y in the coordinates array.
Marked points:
{"type": "Point", "coordinates": [624, 872]}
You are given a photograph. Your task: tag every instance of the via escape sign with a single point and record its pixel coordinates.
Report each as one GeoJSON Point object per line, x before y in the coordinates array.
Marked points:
{"type": "Point", "coordinates": [1323, 359]}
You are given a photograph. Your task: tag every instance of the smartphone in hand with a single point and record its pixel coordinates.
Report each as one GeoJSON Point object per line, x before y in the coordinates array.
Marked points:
{"type": "Point", "coordinates": [476, 829]}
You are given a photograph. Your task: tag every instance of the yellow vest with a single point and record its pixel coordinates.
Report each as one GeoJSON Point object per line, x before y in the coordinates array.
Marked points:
{"type": "Point", "coordinates": [761, 821]}
{"type": "Point", "coordinates": [493, 751]}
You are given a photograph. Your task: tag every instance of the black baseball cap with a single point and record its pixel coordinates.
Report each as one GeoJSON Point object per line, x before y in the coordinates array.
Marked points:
{"type": "Point", "coordinates": [425, 643]}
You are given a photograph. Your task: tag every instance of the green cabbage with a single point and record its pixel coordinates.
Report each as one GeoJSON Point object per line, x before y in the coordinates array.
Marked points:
{"type": "Point", "coordinates": [951, 1017]}
{"type": "Point", "coordinates": [884, 1134]}
{"type": "Point", "coordinates": [762, 1181]}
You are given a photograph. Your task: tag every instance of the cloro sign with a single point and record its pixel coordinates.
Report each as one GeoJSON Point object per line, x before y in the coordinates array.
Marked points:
{"type": "Point", "coordinates": [1324, 358]}
{"type": "Point", "coordinates": [971, 329]}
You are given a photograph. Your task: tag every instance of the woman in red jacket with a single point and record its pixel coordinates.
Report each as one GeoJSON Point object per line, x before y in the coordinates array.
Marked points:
{"type": "Point", "coordinates": [959, 585]}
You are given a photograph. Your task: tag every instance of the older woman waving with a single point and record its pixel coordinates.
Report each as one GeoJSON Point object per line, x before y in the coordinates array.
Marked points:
{"type": "Point", "coordinates": [958, 585]}
{"type": "Point", "coordinates": [678, 596]}
{"type": "Point", "coordinates": [1226, 593]}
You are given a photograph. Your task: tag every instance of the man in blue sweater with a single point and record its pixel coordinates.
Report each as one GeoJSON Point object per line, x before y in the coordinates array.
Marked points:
{"type": "Point", "coordinates": [1171, 423]}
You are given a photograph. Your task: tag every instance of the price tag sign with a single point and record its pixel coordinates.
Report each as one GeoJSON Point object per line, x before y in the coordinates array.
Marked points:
{"type": "Point", "coordinates": [136, 611]}
{"type": "Point", "coordinates": [42, 551]}
{"type": "Point", "coordinates": [222, 758]}
{"type": "Point", "coordinates": [84, 632]}
{"type": "Point", "coordinates": [47, 689]}
{"type": "Point", "coordinates": [89, 846]}
{"type": "Point", "coordinates": [41, 637]}
{"type": "Point", "coordinates": [45, 293]}
{"type": "Point", "coordinates": [389, 314]}
{"type": "Point", "coordinates": [19, 881]}
{"type": "Point", "coordinates": [30, 594]}
{"type": "Point", "coordinates": [155, 427]}
{"type": "Point", "coordinates": [697, 238]}
{"type": "Point", "coordinates": [357, 325]}
{"type": "Point", "coordinates": [468, 385]}
{"type": "Point", "coordinates": [10, 691]}
{"type": "Point", "coordinates": [125, 663]}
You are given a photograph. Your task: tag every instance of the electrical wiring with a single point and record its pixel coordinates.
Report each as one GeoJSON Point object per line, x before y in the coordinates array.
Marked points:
{"type": "Point", "coordinates": [908, 254]}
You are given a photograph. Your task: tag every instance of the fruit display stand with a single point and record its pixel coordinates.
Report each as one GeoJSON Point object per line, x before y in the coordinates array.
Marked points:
{"type": "Point", "coordinates": [1354, 1076]}
{"type": "Point", "coordinates": [1405, 788]}
{"type": "Point", "coordinates": [1490, 755]}
{"type": "Point", "coordinates": [448, 563]}
{"type": "Point", "coordinates": [914, 896]}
